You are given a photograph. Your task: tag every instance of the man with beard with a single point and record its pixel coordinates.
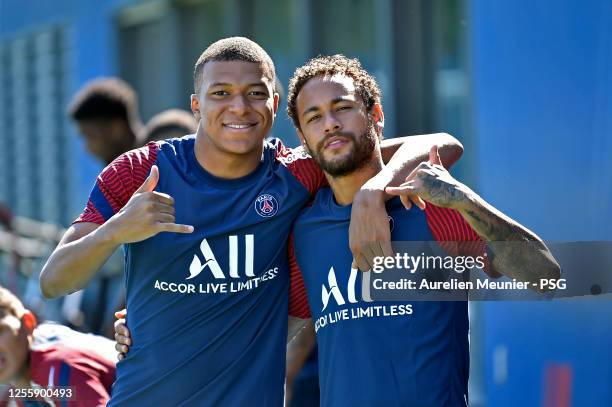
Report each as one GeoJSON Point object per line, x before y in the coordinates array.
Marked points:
{"type": "Point", "coordinates": [392, 353]}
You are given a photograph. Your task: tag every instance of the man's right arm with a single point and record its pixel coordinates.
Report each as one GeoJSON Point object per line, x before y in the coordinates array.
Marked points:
{"type": "Point", "coordinates": [79, 255]}
{"type": "Point", "coordinates": [86, 246]}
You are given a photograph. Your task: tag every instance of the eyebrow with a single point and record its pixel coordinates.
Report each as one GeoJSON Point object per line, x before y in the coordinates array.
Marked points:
{"type": "Point", "coordinates": [333, 102]}
{"type": "Point", "coordinates": [212, 85]}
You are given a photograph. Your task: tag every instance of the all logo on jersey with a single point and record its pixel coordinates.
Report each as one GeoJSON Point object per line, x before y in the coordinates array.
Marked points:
{"type": "Point", "coordinates": [364, 308]}
{"type": "Point", "coordinates": [333, 291]}
{"type": "Point", "coordinates": [240, 278]}
{"type": "Point", "coordinates": [211, 262]}
{"type": "Point", "coordinates": [266, 205]}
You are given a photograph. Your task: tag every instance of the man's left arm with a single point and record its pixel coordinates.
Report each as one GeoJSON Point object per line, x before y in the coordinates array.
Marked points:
{"type": "Point", "coordinates": [369, 232]}
{"type": "Point", "coordinates": [517, 252]}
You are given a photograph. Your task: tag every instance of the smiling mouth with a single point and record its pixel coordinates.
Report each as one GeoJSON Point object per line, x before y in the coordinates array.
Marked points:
{"type": "Point", "coordinates": [239, 126]}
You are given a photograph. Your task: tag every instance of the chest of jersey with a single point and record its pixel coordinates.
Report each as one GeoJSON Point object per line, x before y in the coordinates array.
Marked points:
{"type": "Point", "coordinates": [414, 352]}
{"type": "Point", "coordinates": [239, 241]}
{"type": "Point", "coordinates": [322, 251]}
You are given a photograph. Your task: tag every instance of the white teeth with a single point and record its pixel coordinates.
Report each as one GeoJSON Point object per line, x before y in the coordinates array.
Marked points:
{"type": "Point", "coordinates": [238, 126]}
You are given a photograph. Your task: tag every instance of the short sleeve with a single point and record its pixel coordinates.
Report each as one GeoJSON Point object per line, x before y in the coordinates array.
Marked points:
{"type": "Point", "coordinates": [298, 299]}
{"type": "Point", "coordinates": [117, 183]}
{"type": "Point", "coordinates": [455, 235]}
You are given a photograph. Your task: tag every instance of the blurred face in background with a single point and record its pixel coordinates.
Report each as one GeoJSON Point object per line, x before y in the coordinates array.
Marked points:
{"type": "Point", "coordinates": [14, 347]}
{"type": "Point", "coordinates": [335, 125]}
{"type": "Point", "coordinates": [105, 138]}
{"type": "Point", "coordinates": [237, 104]}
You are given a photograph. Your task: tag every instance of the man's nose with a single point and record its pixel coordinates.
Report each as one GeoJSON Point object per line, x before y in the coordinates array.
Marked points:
{"type": "Point", "coordinates": [332, 124]}
{"type": "Point", "coordinates": [240, 105]}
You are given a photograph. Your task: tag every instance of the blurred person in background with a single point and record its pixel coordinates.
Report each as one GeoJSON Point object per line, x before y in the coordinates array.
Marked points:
{"type": "Point", "coordinates": [47, 355]}
{"type": "Point", "coordinates": [170, 123]}
{"type": "Point", "coordinates": [105, 110]}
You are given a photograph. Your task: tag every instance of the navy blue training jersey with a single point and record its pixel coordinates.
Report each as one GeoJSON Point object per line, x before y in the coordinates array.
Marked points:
{"type": "Point", "coordinates": [380, 353]}
{"type": "Point", "coordinates": [208, 310]}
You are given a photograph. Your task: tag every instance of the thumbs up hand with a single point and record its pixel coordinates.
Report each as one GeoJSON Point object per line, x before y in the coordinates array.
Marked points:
{"type": "Point", "coordinates": [146, 214]}
{"type": "Point", "coordinates": [431, 182]}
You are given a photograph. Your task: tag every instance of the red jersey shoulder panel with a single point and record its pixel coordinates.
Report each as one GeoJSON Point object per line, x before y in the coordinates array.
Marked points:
{"type": "Point", "coordinates": [302, 166]}
{"type": "Point", "coordinates": [118, 182]}
{"type": "Point", "coordinates": [456, 235]}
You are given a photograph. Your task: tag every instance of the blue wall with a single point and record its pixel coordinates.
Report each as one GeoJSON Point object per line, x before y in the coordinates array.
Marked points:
{"type": "Point", "coordinates": [542, 108]}
{"type": "Point", "coordinates": [93, 47]}
{"type": "Point", "coordinates": [542, 75]}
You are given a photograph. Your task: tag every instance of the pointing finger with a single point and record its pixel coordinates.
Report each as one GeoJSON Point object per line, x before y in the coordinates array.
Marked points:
{"type": "Point", "coordinates": [175, 228]}
{"type": "Point", "coordinates": [401, 190]}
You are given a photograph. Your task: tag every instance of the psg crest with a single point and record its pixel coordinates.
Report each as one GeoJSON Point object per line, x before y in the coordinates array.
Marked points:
{"type": "Point", "coordinates": [266, 205]}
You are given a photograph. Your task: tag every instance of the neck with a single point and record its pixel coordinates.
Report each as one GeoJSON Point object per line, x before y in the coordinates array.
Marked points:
{"type": "Point", "coordinates": [345, 187]}
{"type": "Point", "coordinates": [223, 164]}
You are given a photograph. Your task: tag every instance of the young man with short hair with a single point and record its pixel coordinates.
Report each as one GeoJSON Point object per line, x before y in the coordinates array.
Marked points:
{"type": "Point", "coordinates": [205, 221]}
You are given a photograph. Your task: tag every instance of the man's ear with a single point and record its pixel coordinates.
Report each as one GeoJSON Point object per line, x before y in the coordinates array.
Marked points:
{"type": "Point", "coordinates": [276, 102]}
{"type": "Point", "coordinates": [303, 140]}
{"type": "Point", "coordinates": [29, 321]}
{"type": "Point", "coordinates": [379, 117]}
{"type": "Point", "coordinates": [195, 105]}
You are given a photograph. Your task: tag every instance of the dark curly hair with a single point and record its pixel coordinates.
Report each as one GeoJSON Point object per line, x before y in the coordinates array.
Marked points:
{"type": "Point", "coordinates": [338, 64]}
{"type": "Point", "coordinates": [233, 49]}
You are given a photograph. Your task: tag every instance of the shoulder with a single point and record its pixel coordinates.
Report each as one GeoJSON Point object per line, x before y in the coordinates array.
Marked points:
{"type": "Point", "coordinates": [131, 164]}
{"type": "Point", "coordinates": [175, 146]}
{"type": "Point", "coordinates": [286, 155]}
{"type": "Point", "coordinates": [298, 162]}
